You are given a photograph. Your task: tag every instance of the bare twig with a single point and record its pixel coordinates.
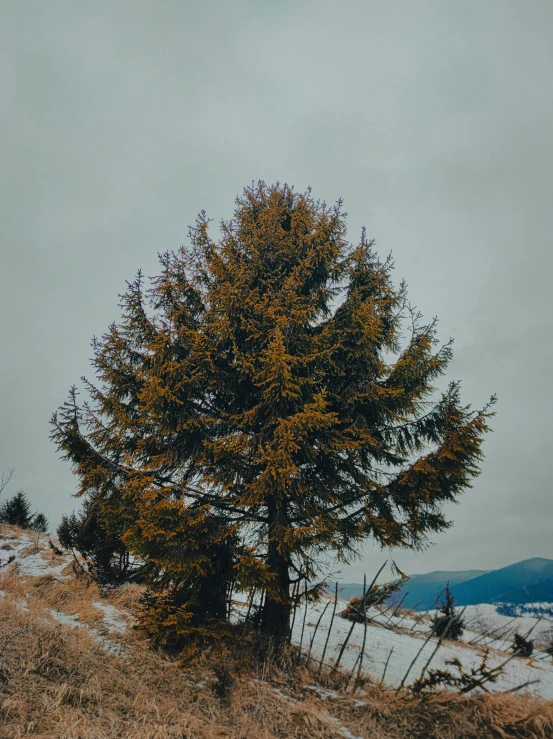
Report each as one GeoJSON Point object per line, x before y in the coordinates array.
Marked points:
{"type": "Point", "coordinates": [362, 653]}
{"type": "Point", "coordinates": [329, 629]}
{"type": "Point", "coordinates": [5, 477]}
{"type": "Point", "coordinates": [250, 604]}
{"type": "Point", "coordinates": [414, 660]}
{"type": "Point", "coordinates": [316, 629]}
{"type": "Point", "coordinates": [295, 602]}
{"type": "Point", "coordinates": [304, 616]}
{"type": "Point", "coordinates": [386, 666]}
{"type": "Point", "coordinates": [11, 638]}
{"type": "Point", "coordinates": [343, 648]}
{"type": "Point", "coordinates": [365, 598]}
{"type": "Point", "coordinates": [520, 687]}
{"type": "Point", "coordinates": [429, 609]}
{"type": "Point", "coordinates": [498, 669]}
{"type": "Point", "coordinates": [490, 630]}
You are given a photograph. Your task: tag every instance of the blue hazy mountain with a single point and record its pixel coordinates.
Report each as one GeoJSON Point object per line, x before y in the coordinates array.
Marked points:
{"type": "Point", "coordinates": [421, 590]}
{"type": "Point", "coordinates": [529, 581]}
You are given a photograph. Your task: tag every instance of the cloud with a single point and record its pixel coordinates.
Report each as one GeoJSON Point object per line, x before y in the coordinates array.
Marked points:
{"type": "Point", "coordinates": [121, 120]}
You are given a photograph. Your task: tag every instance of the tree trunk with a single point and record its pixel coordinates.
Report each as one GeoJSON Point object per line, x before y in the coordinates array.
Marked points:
{"type": "Point", "coordinates": [275, 621]}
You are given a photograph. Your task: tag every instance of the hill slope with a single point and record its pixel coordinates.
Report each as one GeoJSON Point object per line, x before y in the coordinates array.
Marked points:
{"type": "Point", "coordinates": [421, 591]}
{"type": "Point", "coordinates": [72, 667]}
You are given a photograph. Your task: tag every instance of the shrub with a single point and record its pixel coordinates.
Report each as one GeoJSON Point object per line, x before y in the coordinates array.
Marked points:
{"type": "Point", "coordinates": [463, 680]}
{"type": "Point", "coordinates": [377, 595]}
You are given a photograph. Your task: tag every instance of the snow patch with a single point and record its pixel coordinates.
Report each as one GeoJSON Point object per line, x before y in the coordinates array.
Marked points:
{"type": "Point", "coordinates": [113, 618]}
{"type": "Point", "coordinates": [73, 621]}
{"type": "Point", "coordinates": [29, 565]}
{"type": "Point", "coordinates": [11, 547]}
{"type": "Point", "coordinates": [36, 566]}
{"type": "Point", "coordinates": [65, 619]}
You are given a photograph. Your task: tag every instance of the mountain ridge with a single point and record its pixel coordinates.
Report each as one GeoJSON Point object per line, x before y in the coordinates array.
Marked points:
{"type": "Point", "coordinates": [526, 581]}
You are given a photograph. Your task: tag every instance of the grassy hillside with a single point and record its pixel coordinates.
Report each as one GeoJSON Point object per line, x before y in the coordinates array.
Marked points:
{"type": "Point", "coordinates": [73, 667]}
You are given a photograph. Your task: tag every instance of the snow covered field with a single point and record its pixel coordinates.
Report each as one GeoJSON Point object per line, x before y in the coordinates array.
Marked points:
{"type": "Point", "coordinates": [400, 647]}
{"type": "Point", "coordinates": [400, 643]}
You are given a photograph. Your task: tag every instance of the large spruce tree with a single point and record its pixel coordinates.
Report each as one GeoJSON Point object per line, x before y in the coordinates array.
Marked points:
{"type": "Point", "coordinates": [261, 390]}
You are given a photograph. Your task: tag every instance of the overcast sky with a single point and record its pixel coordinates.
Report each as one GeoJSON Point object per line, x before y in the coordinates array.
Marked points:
{"type": "Point", "coordinates": [120, 120]}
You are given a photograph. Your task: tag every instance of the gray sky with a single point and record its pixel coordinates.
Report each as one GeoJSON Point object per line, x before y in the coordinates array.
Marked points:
{"type": "Point", "coordinates": [433, 120]}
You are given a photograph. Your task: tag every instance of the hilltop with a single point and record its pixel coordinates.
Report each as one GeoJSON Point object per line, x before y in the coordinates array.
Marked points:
{"type": "Point", "coordinates": [72, 666]}
{"type": "Point", "coordinates": [529, 581]}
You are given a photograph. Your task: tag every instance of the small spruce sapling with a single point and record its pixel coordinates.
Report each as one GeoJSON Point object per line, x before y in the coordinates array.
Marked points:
{"type": "Point", "coordinates": [522, 647]}
{"type": "Point", "coordinates": [447, 623]}
{"type": "Point", "coordinates": [40, 523]}
{"type": "Point", "coordinates": [224, 682]}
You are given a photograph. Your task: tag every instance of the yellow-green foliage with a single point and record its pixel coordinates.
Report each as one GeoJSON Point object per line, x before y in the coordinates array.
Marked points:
{"type": "Point", "coordinates": [258, 397]}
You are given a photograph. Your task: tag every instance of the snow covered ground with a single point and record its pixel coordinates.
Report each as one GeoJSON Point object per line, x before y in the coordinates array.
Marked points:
{"type": "Point", "coordinates": [400, 647]}
{"type": "Point", "coordinates": [485, 618]}
{"type": "Point", "coordinates": [29, 555]}
{"type": "Point", "coordinates": [399, 644]}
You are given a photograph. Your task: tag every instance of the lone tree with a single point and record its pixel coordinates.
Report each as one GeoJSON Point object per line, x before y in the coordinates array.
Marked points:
{"type": "Point", "coordinates": [259, 389]}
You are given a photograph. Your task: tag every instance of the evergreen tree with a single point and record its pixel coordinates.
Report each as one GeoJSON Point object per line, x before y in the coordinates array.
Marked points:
{"type": "Point", "coordinates": [105, 556]}
{"type": "Point", "coordinates": [16, 511]}
{"type": "Point", "coordinates": [447, 623]}
{"type": "Point", "coordinates": [259, 391]}
{"type": "Point", "coordinates": [522, 647]}
{"type": "Point", "coordinates": [40, 523]}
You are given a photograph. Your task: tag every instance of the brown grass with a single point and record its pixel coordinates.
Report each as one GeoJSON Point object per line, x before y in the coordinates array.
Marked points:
{"type": "Point", "coordinates": [56, 681]}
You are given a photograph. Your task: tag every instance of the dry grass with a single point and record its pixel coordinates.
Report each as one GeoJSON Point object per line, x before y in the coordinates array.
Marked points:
{"type": "Point", "coordinates": [57, 681]}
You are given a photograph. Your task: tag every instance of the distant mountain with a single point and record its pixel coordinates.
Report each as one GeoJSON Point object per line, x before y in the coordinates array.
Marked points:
{"type": "Point", "coordinates": [420, 591]}
{"type": "Point", "coordinates": [529, 581]}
